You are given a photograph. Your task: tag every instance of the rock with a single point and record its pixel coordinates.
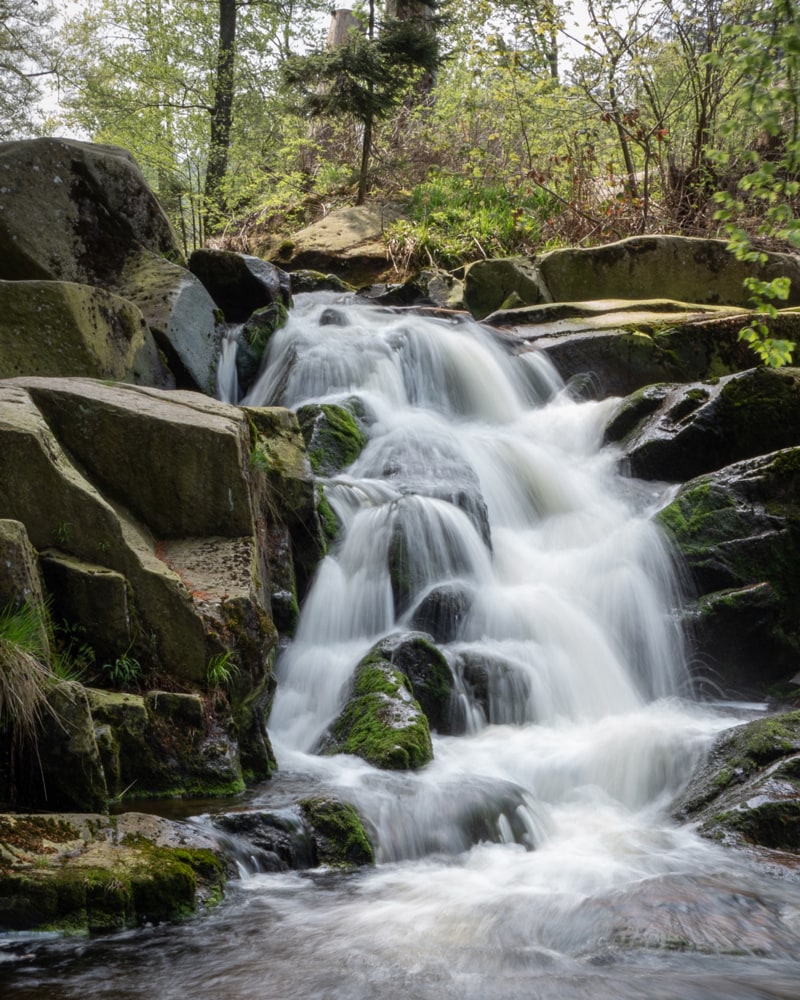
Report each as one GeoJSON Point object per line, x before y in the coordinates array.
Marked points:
{"type": "Point", "coordinates": [276, 841]}
{"type": "Point", "coordinates": [626, 346]}
{"type": "Point", "coordinates": [748, 789]}
{"type": "Point", "coordinates": [90, 872]}
{"type": "Point", "coordinates": [165, 745]}
{"type": "Point", "coordinates": [253, 339]}
{"type": "Point", "coordinates": [442, 610]}
{"type": "Point", "coordinates": [181, 315]}
{"type": "Point", "coordinates": [738, 531]}
{"type": "Point", "coordinates": [678, 267]}
{"type": "Point", "coordinates": [704, 426]}
{"type": "Point", "coordinates": [75, 211]}
{"type": "Point", "coordinates": [337, 833]}
{"type": "Point", "coordinates": [381, 721]}
{"type": "Point", "coordinates": [20, 579]}
{"type": "Point", "coordinates": [279, 452]}
{"type": "Point", "coordinates": [63, 771]}
{"type": "Point", "coordinates": [426, 669]}
{"type": "Point", "coordinates": [93, 595]}
{"type": "Point", "coordinates": [181, 565]}
{"type": "Point", "coordinates": [59, 328]}
{"type": "Point", "coordinates": [347, 243]}
{"type": "Point", "coordinates": [494, 284]}
{"type": "Point", "coordinates": [333, 438]}
{"type": "Point", "coordinates": [240, 284]}
{"type": "Point", "coordinates": [315, 281]}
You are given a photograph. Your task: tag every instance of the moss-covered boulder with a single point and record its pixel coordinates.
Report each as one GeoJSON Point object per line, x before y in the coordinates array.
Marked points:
{"type": "Point", "coordinates": [291, 497]}
{"type": "Point", "coordinates": [502, 283]}
{"type": "Point", "coordinates": [748, 789]}
{"type": "Point", "coordinates": [58, 328]}
{"type": "Point", "coordinates": [332, 435]}
{"type": "Point", "coordinates": [626, 345]}
{"type": "Point", "coordinates": [676, 267]}
{"type": "Point", "coordinates": [253, 339]}
{"type": "Point", "coordinates": [382, 722]}
{"type": "Point", "coordinates": [62, 768]}
{"type": "Point", "coordinates": [738, 531]}
{"type": "Point", "coordinates": [416, 656]}
{"type": "Point", "coordinates": [304, 280]}
{"type": "Point", "coordinates": [90, 872]}
{"type": "Point", "coordinates": [239, 283]}
{"type": "Point", "coordinates": [165, 745]}
{"type": "Point", "coordinates": [337, 833]}
{"type": "Point", "coordinates": [697, 428]}
{"type": "Point", "coordinates": [75, 211]}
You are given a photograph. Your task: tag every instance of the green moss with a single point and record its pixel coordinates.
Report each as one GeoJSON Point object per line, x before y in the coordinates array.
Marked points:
{"type": "Point", "coordinates": [328, 520]}
{"type": "Point", "coordinates": [381, 722]}
{"type": "Point", "coordinates": [333, 438]}
{"type": "Point", "coordinates": [339, 834]}
{"type": "Point", "coordinates": [772, 824]}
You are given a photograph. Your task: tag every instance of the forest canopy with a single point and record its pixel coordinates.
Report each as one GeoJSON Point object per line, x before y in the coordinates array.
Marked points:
{"type": "Point", "coordinates": [531, 131]}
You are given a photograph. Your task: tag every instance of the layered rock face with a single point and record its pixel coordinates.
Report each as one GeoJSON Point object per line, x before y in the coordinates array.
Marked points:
{"type": "Point", "coordinates": [151, 524]}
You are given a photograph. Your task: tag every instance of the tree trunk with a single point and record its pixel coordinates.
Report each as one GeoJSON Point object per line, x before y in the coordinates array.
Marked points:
{"type": "Point", "coordinates": [221, 114]}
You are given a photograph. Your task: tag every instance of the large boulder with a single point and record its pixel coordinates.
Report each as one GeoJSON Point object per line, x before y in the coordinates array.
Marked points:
{"type": "Point", "coordinates": [181, 314]}
{"type": "Point", "coordinates": [738, 531]}
{"type": "Point", "coordinates": [674, 267]}
{"type": "Point", "coordinates": [90, 872]}
{"type": "Point", "coordinates": [700, 427]}
{"type": "Point", "coordinates": [501, 284]}
{"type": "Point", "coordinates": [75, 211]}
{"type": "Point", "coordinates": [239, 283]}
{"type": "Point", "coordinates": [152, 512]}
{"type": "Point", "coordinates": [347, 243]}
{"type": "Point", "coordinates": [624, 346]}
{"type": "Point", "coordinates": [57, 328]}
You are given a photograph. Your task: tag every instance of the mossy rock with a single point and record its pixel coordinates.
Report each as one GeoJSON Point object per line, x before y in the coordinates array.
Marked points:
{"type": "Point", "coordinates": [338, 834]}
{"type": "Point", "coordinates": [57, 328]}
{"type": "Point", "coordinates": [748, 789]}
{"type": "Point", "coordinates": [240, 284]}
{"type": "Point", "coordinates": [426, 669]}
{"type": "Point", "coordinates": [87, 872]}
{"type": "Point", "coordinates": [705, 426]}
{"type": "Point", "coordinates": [682, 268]}
{"type": "Point", "coordinates": [333, 438]}
{"type": "Point", "coordinates": [502, 283]}
{"type": "Point", "coordinates": [738, 531]}
{"type": "Point", "coordinates": [382, 722]}
{"type": "Point", "coordinates": [304, 280]}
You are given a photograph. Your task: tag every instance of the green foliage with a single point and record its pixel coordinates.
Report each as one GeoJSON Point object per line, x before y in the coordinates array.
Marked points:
{"type": "Point", "coordinates": [456, 218]}
{"type": "Point", "coordinates": [25, 677]}
{"type": "Point", "coordinates": [221, 670]}
{"type": "Point", "coordinates": [767, 54]}
{"type": "Point", "coordinates": [124, 672]}
{"type": "Point", "coordinates": [72, 656]}
{"type": "Point", "coordinates": [25, 55]}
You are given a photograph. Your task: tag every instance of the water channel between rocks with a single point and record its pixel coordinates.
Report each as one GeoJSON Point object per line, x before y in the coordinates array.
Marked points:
{"type": "Point", "coordinates": [535, 856]}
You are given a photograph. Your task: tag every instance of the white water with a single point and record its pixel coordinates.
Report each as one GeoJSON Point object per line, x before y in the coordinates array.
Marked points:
{"type": "Point", "coordinates": [583, 739]}
{"type": "Point", "coordinates": [535, 856]}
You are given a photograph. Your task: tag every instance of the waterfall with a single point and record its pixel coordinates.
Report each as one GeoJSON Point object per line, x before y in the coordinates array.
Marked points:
{"type": "Point", "coordinates": [535, 855]}
{"type": "Point", "coordinates": [489, 477]}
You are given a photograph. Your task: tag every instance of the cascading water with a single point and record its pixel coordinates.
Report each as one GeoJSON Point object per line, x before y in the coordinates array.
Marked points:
{"type": "Point", "coordinates": [534, 856]}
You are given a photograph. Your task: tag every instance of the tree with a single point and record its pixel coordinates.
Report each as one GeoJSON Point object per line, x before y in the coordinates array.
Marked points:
{"type": "Point", "coordinates": [190, 89]}
{"type": "Point", "coordinates": [767, 53]}
{"type": "Point", "coordinates": [367, 76]}
{"type": "Point", "coordinates": [26, 57]}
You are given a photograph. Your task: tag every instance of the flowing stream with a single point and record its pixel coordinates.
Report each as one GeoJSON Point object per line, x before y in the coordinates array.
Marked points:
{"type": "Point", "coordinates": [535, 856]}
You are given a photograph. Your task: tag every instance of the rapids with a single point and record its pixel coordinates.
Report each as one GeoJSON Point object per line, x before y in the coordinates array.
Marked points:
{"type": "Point", "coordinates": [535, 856]}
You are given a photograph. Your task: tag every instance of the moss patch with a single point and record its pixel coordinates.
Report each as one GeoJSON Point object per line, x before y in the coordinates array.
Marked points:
{"type": "Point", "coordinates": [339, 835]}
{"type": "Point", "coordinates": [382, 722]}
{"type": "Point", "coordinates": [333, 438]}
